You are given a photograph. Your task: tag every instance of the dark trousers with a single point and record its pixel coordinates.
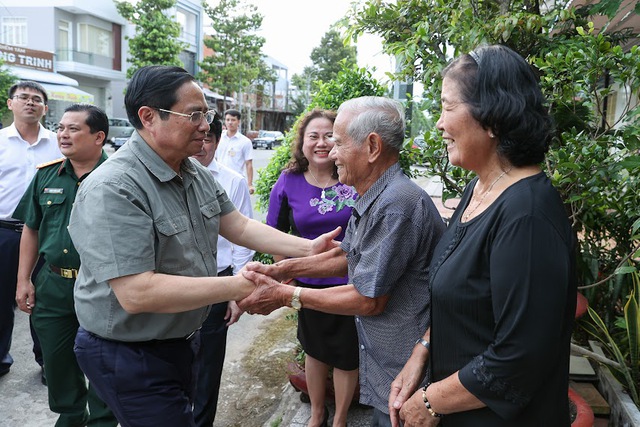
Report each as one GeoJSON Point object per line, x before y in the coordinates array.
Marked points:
{"type": "Point", "coordinates": [145, 384]}
{"type": "Point", "coordinates": [380, 419]}
{"type": "Point", "coordinates": [9, 256]}
{"type": "Point", "coordinates": [54, 318]}
{"type": "Point", "coordinates": [213, 344]}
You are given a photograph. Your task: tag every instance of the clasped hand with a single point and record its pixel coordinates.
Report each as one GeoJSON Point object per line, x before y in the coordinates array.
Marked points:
{"type": "Point", "coordinates": [268, 294]}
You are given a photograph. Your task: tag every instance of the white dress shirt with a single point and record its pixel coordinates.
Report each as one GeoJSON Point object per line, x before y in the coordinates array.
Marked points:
{"type": "Point", "coordinates": [234, 152]}
{"type": "Point", "coordinates": [18, 161]}
{"type": "Point", "coordinates": [238, 191]}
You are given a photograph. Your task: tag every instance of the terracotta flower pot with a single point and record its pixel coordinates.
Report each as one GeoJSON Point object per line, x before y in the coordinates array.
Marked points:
{"type": "Point", "coordinates": [581, 305]}
{"type": "Point", "coordinates": [584, 413]}
{"type": "Point", "coordinates": [298, 380]}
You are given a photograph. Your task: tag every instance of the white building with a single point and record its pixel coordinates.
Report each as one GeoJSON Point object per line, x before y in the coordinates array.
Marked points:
{"type": "Point", "coordinates": [86, 40]}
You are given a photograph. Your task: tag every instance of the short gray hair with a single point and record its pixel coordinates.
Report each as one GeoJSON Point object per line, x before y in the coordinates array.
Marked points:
{"type": "Point", "coordinates": [377, 114]}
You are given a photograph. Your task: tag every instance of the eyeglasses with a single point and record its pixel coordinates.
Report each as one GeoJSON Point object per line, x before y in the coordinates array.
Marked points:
{"type": "Point", "coordinates": [26, 98]}
{"type": "Point", "coordinates": [195, 117]}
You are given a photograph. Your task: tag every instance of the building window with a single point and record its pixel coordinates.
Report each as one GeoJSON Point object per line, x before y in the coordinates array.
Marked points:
{"type": "Point", "coordinates": [95, 40]}
{"type": "Point", "coordinates": [64, 41]}
{"type": "Point", "coordinates": [188, 26]}
{"type": "Point", "coordinates": [189, 61]}
{"type": "Point", "coordinates": [13, 31]}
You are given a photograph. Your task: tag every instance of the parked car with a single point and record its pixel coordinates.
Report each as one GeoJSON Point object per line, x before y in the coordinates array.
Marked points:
{"type": "Point", "coordinates": [268, 139]}
{"type": "Point", "coordinates": [119, 128]}
{"type": "Point", "coordinates": [119, 141]}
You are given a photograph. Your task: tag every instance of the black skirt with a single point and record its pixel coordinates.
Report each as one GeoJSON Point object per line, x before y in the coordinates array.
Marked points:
{"type": "Point", "coordinates": [330, 338]}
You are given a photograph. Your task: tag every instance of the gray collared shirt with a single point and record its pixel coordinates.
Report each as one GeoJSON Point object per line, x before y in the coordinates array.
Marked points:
{"type": "Point", "coordinates": [389, 242]}
{"type": "Point", "coordinates": [135, 214]}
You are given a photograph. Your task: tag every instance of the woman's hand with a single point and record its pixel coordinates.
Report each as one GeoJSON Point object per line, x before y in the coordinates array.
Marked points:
{"type": "Point", "coordinates": [267, 296]}
{"type": "Point", "coordinates": [325, 242]}
{"type": "Point", "coordinates": [415, 414]}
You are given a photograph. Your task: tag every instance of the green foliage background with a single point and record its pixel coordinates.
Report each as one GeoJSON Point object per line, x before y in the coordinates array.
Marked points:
{"type": "Point", "coordinates": [6, 81]}
{"type": "Point", "coordinates": [237, 61]}
{"type": "Point", "coordinates": [156, 40]}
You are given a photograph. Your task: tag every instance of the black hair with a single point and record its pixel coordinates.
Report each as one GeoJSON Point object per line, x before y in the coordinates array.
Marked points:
{"type": "Point", "coordinates": [28, 84]}
{"type": "Point", "coordinates": [234, 113]}
{"type": "Point", "coordinates": [154, 86]}
{"type": "Point", "coordinates": [96, 118]}
{"type": "Point", "coordinates": [503, 95]}
{"type": "Point", "coordinates": [215, 128]}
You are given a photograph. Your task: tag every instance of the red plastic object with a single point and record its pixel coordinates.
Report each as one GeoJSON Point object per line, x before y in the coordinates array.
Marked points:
{"type": "Point", "coordinates": [584, 416]}
{"type": "Point", "coordinates": [581, 306]}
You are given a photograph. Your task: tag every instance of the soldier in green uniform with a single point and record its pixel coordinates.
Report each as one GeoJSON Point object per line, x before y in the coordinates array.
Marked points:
{"type": "Point", "coordinates": [45, 210]}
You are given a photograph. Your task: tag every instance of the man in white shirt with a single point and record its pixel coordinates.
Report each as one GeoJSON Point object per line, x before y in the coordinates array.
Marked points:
{"type": "Point", "coordinates": [23, 146]}
{"type": "Point", "coordinates": [235, 150]}
{"type": "Point", "coordinates": [231, 259]}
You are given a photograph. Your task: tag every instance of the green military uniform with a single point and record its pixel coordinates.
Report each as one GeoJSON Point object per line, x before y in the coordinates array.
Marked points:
{"type": "Point", "coordinates": [46, 207]}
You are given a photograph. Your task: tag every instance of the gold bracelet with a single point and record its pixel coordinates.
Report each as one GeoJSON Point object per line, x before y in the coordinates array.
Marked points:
{"type": "Point", "coordinates": [428, 405]}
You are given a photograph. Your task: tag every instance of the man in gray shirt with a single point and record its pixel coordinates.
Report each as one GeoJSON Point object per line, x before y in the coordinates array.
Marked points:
{"type": "Point", "coordinates": [386, 251]}
{"type": "Point", "coordinates": [145, 226]}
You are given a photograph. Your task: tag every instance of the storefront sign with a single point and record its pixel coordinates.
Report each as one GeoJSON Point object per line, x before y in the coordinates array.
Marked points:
{"type": "Point", "coordinates": [27, 58]}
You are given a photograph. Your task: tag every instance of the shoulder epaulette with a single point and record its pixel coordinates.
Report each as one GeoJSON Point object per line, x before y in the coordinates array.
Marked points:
{"type": "Point", "coordinates": [52, 162]}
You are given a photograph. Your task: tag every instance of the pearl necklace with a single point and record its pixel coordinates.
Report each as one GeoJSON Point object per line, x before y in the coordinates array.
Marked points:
{"type": "Point", "coordinates": [318, 184]}
{"type": "Point", "coordinates": [465, 217]}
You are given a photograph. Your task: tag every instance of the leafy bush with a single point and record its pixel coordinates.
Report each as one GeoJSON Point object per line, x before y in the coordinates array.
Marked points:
{"type": "Point", "coordinates": [622, 342]}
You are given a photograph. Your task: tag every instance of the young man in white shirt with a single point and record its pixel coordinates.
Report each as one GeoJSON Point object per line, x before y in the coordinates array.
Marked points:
{"type": "Point", "coordinates": [231, 259]}
{"type": "Point", "coordinates": [235, 150]}
{"type": "Point", "coordinates": [23, 146]}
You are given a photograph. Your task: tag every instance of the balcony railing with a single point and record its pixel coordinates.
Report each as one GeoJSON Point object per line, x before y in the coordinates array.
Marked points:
{"type": "Point", "coordinates": [85, 58]}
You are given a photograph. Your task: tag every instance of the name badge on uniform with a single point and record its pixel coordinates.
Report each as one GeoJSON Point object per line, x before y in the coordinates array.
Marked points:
{"type": "Point", "coordinates": [53, 191]}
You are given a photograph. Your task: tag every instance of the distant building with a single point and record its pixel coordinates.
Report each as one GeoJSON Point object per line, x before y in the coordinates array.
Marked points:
{"type": "Point", "coordinates": [272, 109]}
{"type": "Point", "coordinates": [85, 42]}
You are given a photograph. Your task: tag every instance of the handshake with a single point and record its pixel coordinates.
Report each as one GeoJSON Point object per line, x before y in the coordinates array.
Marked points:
{"type": "Point", "coordinates": [268, 293]}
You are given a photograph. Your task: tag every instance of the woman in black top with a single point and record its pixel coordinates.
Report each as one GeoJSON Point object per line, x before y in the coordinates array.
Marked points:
{"type": "Point", "coordinates": [502, 277]}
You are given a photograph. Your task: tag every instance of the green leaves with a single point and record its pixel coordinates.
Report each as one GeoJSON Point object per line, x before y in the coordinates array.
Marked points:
{"type": "Point", "coordinates": [622, 342]}
{"type": "Point", "coordinates": [237, 61]}
{"type": "Point", "coordinates": [6, 81]}
{"type": "Point", "coordinates": [156, 40]}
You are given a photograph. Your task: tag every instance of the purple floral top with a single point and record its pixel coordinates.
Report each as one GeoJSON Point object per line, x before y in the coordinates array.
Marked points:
{"type": "Point", "coordinates": [297, 206]}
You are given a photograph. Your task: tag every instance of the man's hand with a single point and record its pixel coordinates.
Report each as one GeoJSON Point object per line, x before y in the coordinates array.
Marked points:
{"type": "Point", "coordinates": [233, 313]}
{"type": "Point", "coordinates": [407, 381]}
{"type": "Point", "coordinates": [275, 271]}
{"type": "Point", "coordinates": [415, 414]}
{"type": "Point", "coordinates": [269, 294]}
{"type": "Point", "coordinates": [25, 295]}
{"type": "Point", "coordinates": [325, 242]}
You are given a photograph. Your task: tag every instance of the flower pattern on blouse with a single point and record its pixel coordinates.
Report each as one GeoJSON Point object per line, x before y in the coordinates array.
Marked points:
{"type": "Point", "coordinates": [336, 197]}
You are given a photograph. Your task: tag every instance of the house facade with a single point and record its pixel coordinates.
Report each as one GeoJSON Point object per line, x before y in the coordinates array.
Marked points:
{"type": "Point", "coordinates": [86, 41]}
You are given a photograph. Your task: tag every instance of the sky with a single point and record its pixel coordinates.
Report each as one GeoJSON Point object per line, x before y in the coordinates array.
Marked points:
{"type": "Point", "coordinates": [292, 28]}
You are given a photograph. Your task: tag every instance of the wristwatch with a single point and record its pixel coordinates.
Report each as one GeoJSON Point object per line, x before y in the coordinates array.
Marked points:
{"type": "Point", "coordinates": [295, 299]}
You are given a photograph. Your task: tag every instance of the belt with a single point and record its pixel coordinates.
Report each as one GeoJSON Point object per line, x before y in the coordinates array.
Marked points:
{"type": "Point", "coordinates": [226, 272]}
{"type": "Point", "coordinates": [186, 338]}
{"type": "Point", "coordinates": [12, 225]}
{"type": "Point", "coordinates": [67, 273]}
